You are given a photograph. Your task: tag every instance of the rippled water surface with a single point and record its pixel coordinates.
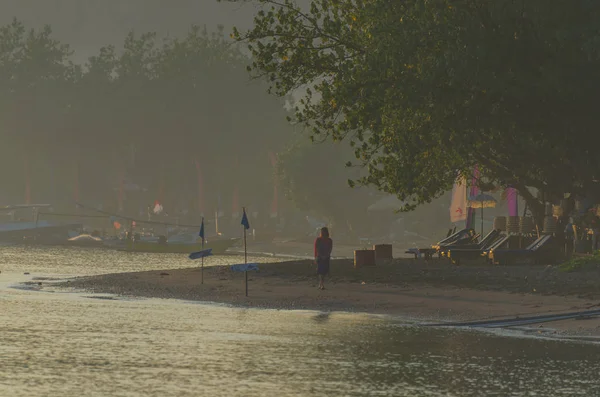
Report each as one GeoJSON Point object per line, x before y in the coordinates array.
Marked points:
{"type": "Point", "coordinates": [71, 344]}
{"type": "Point", "coordinates": [91, 261]}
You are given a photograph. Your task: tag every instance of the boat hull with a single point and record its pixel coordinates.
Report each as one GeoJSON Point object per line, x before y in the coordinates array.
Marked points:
{"type": "Point", "coordinates": [26, 232]}
{"type": "Point", "coordinates": [85, 240]}
{"type": "Point", "coordinates": [218, 247]}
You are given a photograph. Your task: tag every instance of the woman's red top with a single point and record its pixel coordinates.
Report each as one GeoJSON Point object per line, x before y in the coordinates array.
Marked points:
{"type": "Point", "coordinates": [323, 247]}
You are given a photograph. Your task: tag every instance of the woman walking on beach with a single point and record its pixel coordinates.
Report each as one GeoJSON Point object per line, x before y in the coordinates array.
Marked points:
{"type": "Point", "coordinates": [323, 247]}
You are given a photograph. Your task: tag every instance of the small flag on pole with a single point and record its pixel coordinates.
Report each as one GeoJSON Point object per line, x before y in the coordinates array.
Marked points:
{"type": "Point", "coordinates": [244, 267]}
{"type": "Point", "coordinates": [246, 226]}
{"type": "Point", "coordinates": [201, 254]}
{"type": "Point", "coordinates": [201, 234]}
{"type": "Point", "coordinates": [245, 220]}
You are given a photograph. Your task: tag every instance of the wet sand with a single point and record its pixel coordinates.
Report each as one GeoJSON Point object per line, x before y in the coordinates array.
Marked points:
{"type": "Point", "coordinates": [425, 291]}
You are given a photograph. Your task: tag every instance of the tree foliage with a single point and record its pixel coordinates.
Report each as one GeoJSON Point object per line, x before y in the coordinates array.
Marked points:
{"type": "Point", "coordinates": [423, 89]}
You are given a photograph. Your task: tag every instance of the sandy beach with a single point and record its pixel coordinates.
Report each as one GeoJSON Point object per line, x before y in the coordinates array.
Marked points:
{"type": "Point", "coordinates": [424, 291]}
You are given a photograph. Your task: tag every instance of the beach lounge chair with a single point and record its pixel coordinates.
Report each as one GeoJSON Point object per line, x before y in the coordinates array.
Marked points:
{"type": "Point", "coordinates": [501, 243]}
{"type": "Point", "coordinates": [464, 238]}
{"type": "Point", "coordinates": [540, 249]}
{"type": "Point", "coordinates": [487, 241]}
{"type": "Point", "coordinates": [505, 242]}
{"type": "Point", "coordinates": [461, 237]}
{"type": "Point", "coordinates": [474, 251]}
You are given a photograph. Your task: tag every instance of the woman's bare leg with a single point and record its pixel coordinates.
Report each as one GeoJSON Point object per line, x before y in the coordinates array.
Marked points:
{"type": "Point", "coordinates": [321, 281]}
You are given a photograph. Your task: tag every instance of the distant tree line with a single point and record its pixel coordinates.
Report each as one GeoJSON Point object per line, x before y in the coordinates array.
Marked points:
{"type": "Point", "coordinates": [149, 113]}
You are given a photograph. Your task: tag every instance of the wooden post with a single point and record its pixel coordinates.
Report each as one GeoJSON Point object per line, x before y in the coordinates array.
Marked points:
{"type": "Point", "coordinates": [217, 221]}
{"type": "Point", "coordinates": [36, 212]}
{"type": "Point", "coordinates": [131, 234]}
{"type": "Point", "coordinates": [245, 258]}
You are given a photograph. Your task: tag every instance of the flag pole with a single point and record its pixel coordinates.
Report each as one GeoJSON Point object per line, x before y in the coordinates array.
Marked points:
{"type": "Point", "coordinates": [202, 259]}
{"type": "Point", "coordinates": [245, 253]}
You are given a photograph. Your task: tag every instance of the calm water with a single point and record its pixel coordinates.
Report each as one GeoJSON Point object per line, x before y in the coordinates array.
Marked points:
{"type": "Point", "coordinates": [71, 344]}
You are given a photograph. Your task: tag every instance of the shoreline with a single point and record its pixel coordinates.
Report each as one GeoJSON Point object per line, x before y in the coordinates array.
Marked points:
{"type": "Point", "coordinates": [427, 291]}
{"type": "Point", "coordinates": [297, 249]}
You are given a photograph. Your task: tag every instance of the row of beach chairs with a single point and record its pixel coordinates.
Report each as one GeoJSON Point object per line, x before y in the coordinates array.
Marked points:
{"type": "Point", "coordinates": [494, 248]}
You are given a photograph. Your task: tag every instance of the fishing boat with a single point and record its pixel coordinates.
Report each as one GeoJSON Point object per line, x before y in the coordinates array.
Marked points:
{"type": "Point", "coordinates": [17, 229]}
{"type": "Point", "coordinates": [85, 240]}
{"type": "Point", "coordinates": [180, 244]}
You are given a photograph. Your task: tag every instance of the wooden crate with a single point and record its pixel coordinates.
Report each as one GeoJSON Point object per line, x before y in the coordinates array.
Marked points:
{"type": "Point", "coordinates": [364, 258]}
{"type": "Point", "coordinates": [383, 251]}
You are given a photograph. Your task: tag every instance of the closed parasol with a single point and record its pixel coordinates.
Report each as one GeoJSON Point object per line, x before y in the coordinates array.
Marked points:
{"type": "Point", "coordinates": [482, 201]}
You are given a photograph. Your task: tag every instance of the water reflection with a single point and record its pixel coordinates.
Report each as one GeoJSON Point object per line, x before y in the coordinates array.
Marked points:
{"type": "Point", "coordinates": [321, 317]}
{"type": "Point", "coordinates": [84, 346]}
{"type": "Point", "coordinates": [78, 345]}
{"type": "Point", "coordinates": [93, 261]}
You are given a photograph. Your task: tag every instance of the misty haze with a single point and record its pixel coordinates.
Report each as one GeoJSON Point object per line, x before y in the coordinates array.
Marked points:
{"type": "Point", "coordinates": [299, 198]}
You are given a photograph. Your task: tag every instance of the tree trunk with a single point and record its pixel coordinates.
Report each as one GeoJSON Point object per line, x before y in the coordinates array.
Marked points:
{"type": "Point", "coordinates": [537, 207]}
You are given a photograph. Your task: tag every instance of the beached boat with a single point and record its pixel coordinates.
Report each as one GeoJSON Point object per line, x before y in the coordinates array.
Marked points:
{"type": "Point", "coordinates": [20, 232]}
{"type": "Point", "coordinates": [218, 246]}
{"type": "Point", "coordinates": [41, 232]}
{"type": "Point", "coordinates": [85, 240]}
{"type": "Point", "coordinates": [13, 230]}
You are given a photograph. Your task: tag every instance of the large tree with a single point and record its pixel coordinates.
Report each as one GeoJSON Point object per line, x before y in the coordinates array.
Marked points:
{"type": "Point", "coordinates": [424, 89]}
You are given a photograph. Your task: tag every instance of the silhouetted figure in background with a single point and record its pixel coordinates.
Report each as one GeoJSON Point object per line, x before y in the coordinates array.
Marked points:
{"type": "Point", "coordinates": [569, 234]}
{"type": "Point", "coordinates": [323, 248]}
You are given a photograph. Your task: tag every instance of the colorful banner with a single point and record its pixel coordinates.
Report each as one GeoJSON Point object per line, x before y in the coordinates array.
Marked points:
{"type": "Point", "coordinates": [512, 200]}
{"type": "Point", "coordinates": [458, 205]}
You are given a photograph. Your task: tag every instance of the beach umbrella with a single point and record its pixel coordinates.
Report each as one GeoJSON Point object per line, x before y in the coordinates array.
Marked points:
{"type": "Point", "coordinates": [482, 201]}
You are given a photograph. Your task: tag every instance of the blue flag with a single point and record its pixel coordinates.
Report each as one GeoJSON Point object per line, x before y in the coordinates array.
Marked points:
{"type": "Point", "coordinates": [201, 234]}
{"type": "Point", "coordinates": [245, 221]}
{"type": "Point", "coordinates": [201, 254]}
{"type": "Point", "coordinates": [244, 267]}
